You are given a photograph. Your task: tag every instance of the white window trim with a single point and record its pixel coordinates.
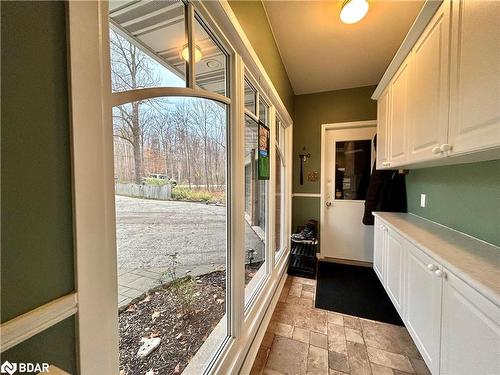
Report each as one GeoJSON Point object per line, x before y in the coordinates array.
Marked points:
{"type": "Point", "coordinates": [93, 188]}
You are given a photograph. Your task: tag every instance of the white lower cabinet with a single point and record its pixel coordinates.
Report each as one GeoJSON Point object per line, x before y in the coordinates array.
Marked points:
{"type": "Point", "coordinates": [394, 269]}
{"type": "Point", "coordinates": [423, 304]}
{"type": "Point", "coordinates": [455, 328]}
{"type": "Point", "coordinates": [470, 333]}
{"type": "Point", "coordinates": [379, 233]}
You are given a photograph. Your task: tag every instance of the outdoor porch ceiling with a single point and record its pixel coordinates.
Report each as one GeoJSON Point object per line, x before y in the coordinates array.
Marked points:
{"type": "Point", "coordinates": [159, 28]}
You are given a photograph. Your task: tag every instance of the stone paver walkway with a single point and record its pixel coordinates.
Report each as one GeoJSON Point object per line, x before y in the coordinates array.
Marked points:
{"type": "Point", "coordinates": [302, 339]}
{"type": "Point", "coordinates": [134, 282]}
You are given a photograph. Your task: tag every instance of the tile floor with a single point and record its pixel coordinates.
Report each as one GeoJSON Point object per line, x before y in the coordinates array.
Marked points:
{"type": "Point", "coordinates": [302, 339]}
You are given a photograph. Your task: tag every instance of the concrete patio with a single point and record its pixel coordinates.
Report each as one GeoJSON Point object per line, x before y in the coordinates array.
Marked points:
{"type": "Point", "coordinates": [150, 233]}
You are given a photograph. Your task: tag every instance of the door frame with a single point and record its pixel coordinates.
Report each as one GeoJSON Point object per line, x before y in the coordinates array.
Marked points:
{"type": "Point", "coordinates": [324, 129]}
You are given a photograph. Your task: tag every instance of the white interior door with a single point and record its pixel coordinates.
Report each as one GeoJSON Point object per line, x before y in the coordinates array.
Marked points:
{"type": "Point", "coordinates": [348, 157]}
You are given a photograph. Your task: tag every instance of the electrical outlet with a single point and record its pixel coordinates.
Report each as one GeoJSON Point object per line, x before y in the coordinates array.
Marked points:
{"type": "Point", "coordinates": [422, 200]}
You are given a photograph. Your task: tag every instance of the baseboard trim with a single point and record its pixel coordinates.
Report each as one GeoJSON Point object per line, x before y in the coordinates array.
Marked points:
{"type": "Point", "coordinates": [351, 262]}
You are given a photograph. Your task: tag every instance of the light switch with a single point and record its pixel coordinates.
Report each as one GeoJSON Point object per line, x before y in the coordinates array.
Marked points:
{"type": "Point", "coordinates": [422, 200]}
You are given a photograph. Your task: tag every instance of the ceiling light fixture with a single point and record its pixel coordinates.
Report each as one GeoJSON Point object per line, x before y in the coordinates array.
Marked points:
{"type": "Point", "coordinates": [353, 11]}
{"type": "Point", "coordinates": [197, 53]}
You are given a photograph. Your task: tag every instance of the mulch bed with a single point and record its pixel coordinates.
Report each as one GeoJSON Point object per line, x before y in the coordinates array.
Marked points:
{"type": "Point", "coordinates": [182, 314]}
{"type": "Point", "coordinates": [183, 323]}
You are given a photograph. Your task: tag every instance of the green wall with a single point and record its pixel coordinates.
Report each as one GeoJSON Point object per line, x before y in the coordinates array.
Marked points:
{"type": "Point", "coordinates": [311, 111]}
{"type": "Point", "coordinates": [253, 19]}
{"type": "Point", "coordinates": [55, 345]}
{"type": "Point", "coordinates": [465, 197]}
{"type": "Point", "coordinates": [37, 240]}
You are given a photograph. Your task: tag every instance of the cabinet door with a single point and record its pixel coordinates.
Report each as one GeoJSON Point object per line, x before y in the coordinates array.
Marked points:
{"type": "Point", "coordinates": [470, 334]}
{"type": "Point", "coordinates": [399, 99]}
{"type": "Point", "coordinates": [379, 249]}
{"type": "Point", "coordinates": [383, 117]}
{"type": "Point", "coordinates": [475, 76]}
{"type": "Point", "coordinates": [394, 270]}
{"type": "Point", "coordinates": [428, 126]}
{"type": "Point", "coordinates": [423, 304]}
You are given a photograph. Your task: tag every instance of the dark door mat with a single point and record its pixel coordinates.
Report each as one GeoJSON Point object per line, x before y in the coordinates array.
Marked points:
{"type": "Point", "coordinates": [354, 290]}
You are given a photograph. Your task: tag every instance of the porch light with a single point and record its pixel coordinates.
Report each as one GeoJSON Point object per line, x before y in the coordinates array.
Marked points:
{"type": "Point", "coordinates": [353, 11]}
{"type": "Point", "coordinates": [197, 53]}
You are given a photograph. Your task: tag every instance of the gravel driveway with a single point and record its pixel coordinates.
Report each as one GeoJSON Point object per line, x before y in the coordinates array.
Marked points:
{"type": "Point", "coordinates": [150, 231]}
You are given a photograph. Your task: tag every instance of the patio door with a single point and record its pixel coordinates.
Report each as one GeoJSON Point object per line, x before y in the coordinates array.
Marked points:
{"type": "Point", "coordinates": [348, 158]}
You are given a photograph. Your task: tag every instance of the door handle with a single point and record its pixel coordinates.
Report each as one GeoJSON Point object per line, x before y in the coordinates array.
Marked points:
{"type": "Point", "coordinates": [445, 147]}
{"type": "Point", "coordinates": [328, 204]}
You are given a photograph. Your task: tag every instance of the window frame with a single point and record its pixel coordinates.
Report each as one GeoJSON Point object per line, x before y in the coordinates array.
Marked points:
{"type": "Point", "coordinates": [95, 247]}
{"type": "Point", "coordinates": [281, 147]}
{"type": "Point", "coordinates": [262, 276]}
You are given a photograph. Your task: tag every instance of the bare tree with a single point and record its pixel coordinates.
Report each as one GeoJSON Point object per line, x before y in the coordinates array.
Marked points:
{"type": "Point", "coordinates": [130, 69]}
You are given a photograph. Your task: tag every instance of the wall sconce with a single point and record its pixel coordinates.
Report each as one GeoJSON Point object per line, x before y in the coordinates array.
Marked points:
{"type": "Point", "coordinates": [303, 158]}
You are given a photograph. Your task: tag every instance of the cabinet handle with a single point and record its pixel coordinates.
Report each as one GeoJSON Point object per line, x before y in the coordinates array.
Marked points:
{"type": "Point", "coordinates": [432, 267]}
{"type": "Point", "coordinates": [445, 147]}
{"type": "Point", "coordinates": [386, 164]}
{"type": "Point", "coordinates": [439, 273]}
{"type": "Point", "coordinates": [436, 150]}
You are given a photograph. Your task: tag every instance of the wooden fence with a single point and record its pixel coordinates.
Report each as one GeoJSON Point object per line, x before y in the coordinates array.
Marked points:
{"type": "Point", "coordinates": [144, 191]}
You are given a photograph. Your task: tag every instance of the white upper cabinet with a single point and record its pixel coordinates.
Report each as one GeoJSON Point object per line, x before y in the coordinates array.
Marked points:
{"type": "Point", "coordinates": [444, 98]}
{"type": "Point", "coordinates": [400, 114]}
{"type": "Point", "coordinates": [475, 76]}
{"type": "Point", "coordinates": [428, 129]}
{"type": "Point", "coordinates": [383, 115]}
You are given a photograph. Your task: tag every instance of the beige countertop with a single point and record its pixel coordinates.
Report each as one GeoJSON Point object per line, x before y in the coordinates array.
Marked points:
{"type": "Point", "coordinates": [474, 261]}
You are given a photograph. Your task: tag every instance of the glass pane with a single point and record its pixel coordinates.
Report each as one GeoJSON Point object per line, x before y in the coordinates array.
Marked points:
{"type": "Point", "coordinates": [256, 193]}
{"type": "Point", "coordinates": [352, 169]}
{"type": "Point", "coordinates": [171, 219]}
{"type": "Point", "coordinates": [263, 112]}
{"type": "Point", "coordinates": [146, 41]}
{"type": "Point", "coordinates": [278, 202]}
{"type": "Point", "coordinates": [210, 67]}
{"type": "Point", "coordinates": [250, 93]}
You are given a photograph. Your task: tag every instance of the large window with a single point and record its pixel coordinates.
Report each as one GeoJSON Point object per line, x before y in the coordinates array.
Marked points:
{"type": "Point", "coordinates": [256, 188]}
{"type": "Point", "coordinates": [172, 103]}
{"type": "Point", "coordinates": [171, 176]}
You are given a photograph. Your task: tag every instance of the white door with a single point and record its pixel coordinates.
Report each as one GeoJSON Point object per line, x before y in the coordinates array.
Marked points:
{"type": "Point", "coordinates": [348, 158]}
{"type": "Point", "coordinates": [470, 334]}
{"type": "Point", "coordinates": [475, 76]}
{"type": "Point", "coordinates": [394, 268]}
{"type": "Point", "coordinates": [423, 304]}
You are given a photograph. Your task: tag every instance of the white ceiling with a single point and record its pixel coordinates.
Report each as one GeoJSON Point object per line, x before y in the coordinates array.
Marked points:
{"type": "Point", "coordinates": [321, 53]}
